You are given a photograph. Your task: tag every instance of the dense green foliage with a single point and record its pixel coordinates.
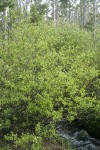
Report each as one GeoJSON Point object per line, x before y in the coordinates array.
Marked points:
{"type": "Point", "coordinates": [47, 73]}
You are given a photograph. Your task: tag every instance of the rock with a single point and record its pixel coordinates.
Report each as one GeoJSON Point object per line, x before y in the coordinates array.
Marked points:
{"type": "Point", "coordinates": [65, 136]}
{"type": "Point", "coordinates": [79, 138]}
{"type": "Point", "coordinates": [82, 135]}
{"type": "Point", "coordinates": [82, 148]}
{"type": "Point", "coordinates": [76, 133]}
{"type": "Point", "coordinates": [98, 148]}
{"type": "Point", "coordinates": [77, 143]}
{"type": "Point", "coordinates": [91, 147]}
{"type": "Point", "coordinates": [96, 142]}
{"type": "Point", "coordinates": [73, 139]}
{"type": "Point", "coordinates": [91, 139]}
{"type": "Point", "coordinates": [84, 143]}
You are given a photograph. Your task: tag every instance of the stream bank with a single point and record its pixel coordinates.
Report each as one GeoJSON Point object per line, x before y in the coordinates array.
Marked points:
{"type": "Point", "coordinates": [79, 138]}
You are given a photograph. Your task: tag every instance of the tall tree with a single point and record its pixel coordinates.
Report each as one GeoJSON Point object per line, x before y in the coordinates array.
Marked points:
{"type": "Point", "coordinates": [83, 13]}
{"type": "Point", "coordinates": [37, 11]}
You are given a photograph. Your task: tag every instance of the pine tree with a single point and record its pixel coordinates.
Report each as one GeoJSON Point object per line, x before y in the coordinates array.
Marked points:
{"type": "Point", "coordinates": [37, 11]}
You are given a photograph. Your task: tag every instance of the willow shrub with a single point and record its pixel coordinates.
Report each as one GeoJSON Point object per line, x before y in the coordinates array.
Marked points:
{"type": "Point", "coordinates": [45, 72]}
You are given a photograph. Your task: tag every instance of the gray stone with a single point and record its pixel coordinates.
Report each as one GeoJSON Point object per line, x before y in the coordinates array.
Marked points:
{"type": "Point", "coordinates": [91, 139]}
{"type": "Point", "coordinates": [91, 147]}
{"type": "Point", "coordinates": [64, 136]}
{"type": "Point", "coordinates": [96, 142]}
{"type": "Point", "coordinates": [82, 135]}
{"type": "Point", "coordinates": [79, 139]}
{"type": "Point", "coordinates": [98, 148]}
{"type": "Point", "coordinates": [75, 134]}
{"type": "Point", "coordinates": [84, 143]}
{"type": "Point", "coordinates": [77, 143]}
{"type": "Point", "coordinates": [82, 148]}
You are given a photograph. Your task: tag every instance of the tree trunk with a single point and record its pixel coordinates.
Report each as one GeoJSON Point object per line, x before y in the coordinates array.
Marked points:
{"type": "Point", "coordinates": [94, 9]}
